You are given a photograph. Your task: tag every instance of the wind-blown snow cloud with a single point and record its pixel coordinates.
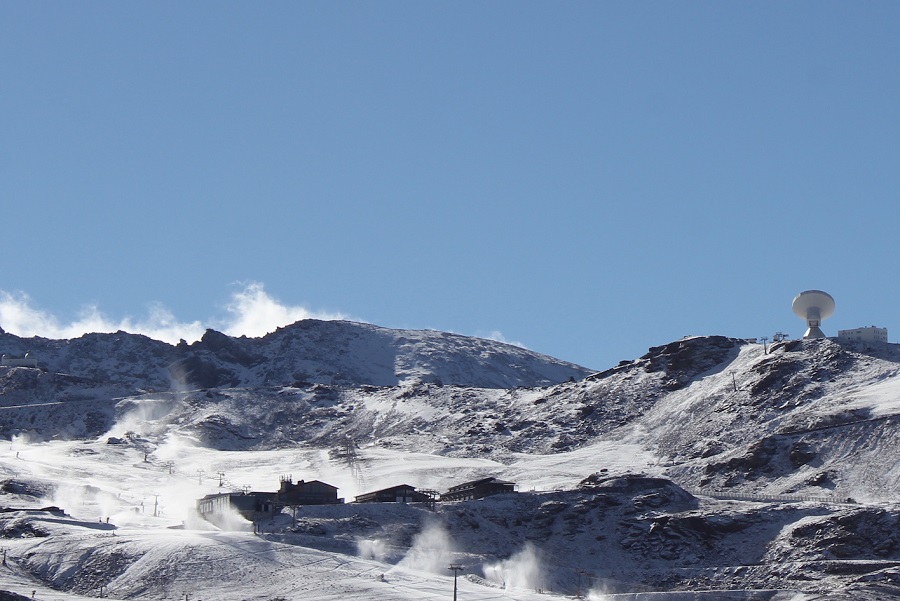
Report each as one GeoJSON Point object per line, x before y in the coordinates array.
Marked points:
{"type": "Point", "coordinates": [251, 312]}
{"type": "Point", "coordinates": [497, 336]}
{"type": "Point", "coordinates": [432, 549]}
{"type": "Point", "coordinates": [19, 316]}
{"type": "Point", "coordinates": [521, 571]}
{"type": "Point", "coordinates": [255, 313]}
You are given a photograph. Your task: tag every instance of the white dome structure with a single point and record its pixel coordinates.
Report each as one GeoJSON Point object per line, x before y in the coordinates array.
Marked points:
{"type": "Point", "coordinates": [813, 306]}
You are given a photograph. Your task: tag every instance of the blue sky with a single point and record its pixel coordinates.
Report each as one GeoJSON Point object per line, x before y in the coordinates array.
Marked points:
{"type": "Point", "coordinates": [587, 179]}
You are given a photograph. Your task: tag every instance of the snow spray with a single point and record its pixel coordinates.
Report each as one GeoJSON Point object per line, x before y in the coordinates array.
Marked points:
{"type": "Point", "coordinates": [431, 551]}
{"type": "Point", "coordinates": [141, 415]}
{"type": "Point", "coordinates": [521, 571]}
{"type": "Point", "coordinates": [371, 549]}
{"type": "Point", "coordinates": [228, 519]}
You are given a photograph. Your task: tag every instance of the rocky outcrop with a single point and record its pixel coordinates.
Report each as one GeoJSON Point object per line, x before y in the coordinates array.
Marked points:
{"type": "Point", "coordinates": [325, 352]}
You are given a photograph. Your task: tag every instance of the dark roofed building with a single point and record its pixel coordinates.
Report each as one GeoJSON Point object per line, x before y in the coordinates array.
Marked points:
{"type": "Point", "coordinates": [258, 505]}
{"type": "Point", "coordinates": [478, 489]}
{"type": "Point", "coordinates": [404, 493]}
{"type": "Point", "coordinates": [251, 505]}
{"type": "Point", "coordinates": [313, 492]}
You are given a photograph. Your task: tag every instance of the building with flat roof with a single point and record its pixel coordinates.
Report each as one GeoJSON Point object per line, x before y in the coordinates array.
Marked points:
{"type": "Point", "coordinates": [11, 361]}
{"type": "Point", "coordinates": [867, 334]}
{"type": "Point", "coordinates": [251, 505]}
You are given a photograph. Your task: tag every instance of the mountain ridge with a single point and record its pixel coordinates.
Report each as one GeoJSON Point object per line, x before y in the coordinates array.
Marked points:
{"type": "Point", "coordinates": [314, 351]}
{"type": "Point", "coordinates": [708, 463]}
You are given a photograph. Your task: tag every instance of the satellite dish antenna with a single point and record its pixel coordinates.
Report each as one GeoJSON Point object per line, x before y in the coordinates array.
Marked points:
{"type": "Point", "coordinates": [813, 306]}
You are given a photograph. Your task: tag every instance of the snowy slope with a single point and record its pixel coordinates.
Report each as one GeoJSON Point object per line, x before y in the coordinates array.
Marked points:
{"type": "Point", "coordinates": [312, 351]}
{"type": "Point", "coordinates": [710, 415]}
{"type": "Point", "coordinates": [809, 417]}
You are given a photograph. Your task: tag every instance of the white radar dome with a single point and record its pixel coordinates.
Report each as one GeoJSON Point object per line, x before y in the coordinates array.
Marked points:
{"type": "Point", "coordinates": [813, 306]}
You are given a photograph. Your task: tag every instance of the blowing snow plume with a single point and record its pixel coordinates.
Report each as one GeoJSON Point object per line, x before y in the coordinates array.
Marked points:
{"type": "Point", "coordinates": [371, 549]}
{"type": "Point", "coordinates": [148, 415]}
{"type": "Point", "coordinates": [229, 520]}
{"type": "Point", "coordinates": [250, 312]}
{"type": "Point", "coordinates": [431, 551]}
{"type": "Point", "coordinates": [521, 571]}
{"type": "Point", "coordinates": [19, 316]}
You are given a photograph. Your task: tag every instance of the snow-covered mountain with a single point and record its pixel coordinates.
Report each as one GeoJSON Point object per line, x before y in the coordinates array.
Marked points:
{"type": "Point", "coordinates": [311, 351]}
{"type": "Point", "coordinates": [707, 464]}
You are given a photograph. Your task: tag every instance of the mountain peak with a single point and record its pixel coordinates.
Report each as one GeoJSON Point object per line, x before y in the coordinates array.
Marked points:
{"type": "Point", "coordinates": [327, 352]}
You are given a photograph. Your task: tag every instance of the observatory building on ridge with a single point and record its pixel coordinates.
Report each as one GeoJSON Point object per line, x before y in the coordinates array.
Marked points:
{"type": "Point", "coordinates": [813, 306]}
{"type": "Point", "coordinates": [10, 361]}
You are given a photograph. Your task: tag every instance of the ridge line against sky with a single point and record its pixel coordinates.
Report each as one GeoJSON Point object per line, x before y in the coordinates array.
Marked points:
{"type": "Point", "coordinates": [250, 312]}
{"type": "Point", "coordinates": [589, 178]}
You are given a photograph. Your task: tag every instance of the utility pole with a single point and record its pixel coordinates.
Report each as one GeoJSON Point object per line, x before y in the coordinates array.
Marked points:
{"type": "Point", "coordinates": [456, 568]}
{"type": "Point", "coordinates": [221, 478]}
{"type": "Point", "coordinates": [765, 350]}
{"type": "Point", "coordinates": [293, 509]}
{"type": "Point", "coordinates": [586, 575]}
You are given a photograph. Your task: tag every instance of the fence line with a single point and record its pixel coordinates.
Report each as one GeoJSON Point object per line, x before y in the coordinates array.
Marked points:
{"type": "Point", "coordinates": [738, 496]}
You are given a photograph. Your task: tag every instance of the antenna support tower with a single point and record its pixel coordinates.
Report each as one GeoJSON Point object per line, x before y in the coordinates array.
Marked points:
{"type": "Point", "coordinates": [813, 306]}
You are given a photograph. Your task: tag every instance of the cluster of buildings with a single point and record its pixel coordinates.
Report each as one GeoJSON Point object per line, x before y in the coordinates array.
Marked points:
{"type": "Point", "coordinates": [259, 505]}
{"type": "Point", "coordinates": [254, 504]}
{"type": "Point", "coordinates": [11, 361]}
{"type": "Point", "coordinates": [872, 334]}
{"type": "Point", "coordinates": [813, 306]}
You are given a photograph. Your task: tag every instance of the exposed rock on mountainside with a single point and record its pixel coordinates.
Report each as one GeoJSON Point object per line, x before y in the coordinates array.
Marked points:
{"type": "Point", "coordinates": [309, 351]}
{"type": "Point", "coordinates": [770, 469]}
{"type": "Point", "coordinates": [724, 414]}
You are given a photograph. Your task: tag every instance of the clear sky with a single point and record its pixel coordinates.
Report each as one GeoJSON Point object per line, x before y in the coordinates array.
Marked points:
{"type": "Point", "coordinates": [586, 179]}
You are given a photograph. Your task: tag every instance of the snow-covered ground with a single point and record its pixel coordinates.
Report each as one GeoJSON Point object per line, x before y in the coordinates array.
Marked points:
{"type": "Point", "coordinates": [712, 415]}
{"type": "Point", "coordinates": [122, 504]}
